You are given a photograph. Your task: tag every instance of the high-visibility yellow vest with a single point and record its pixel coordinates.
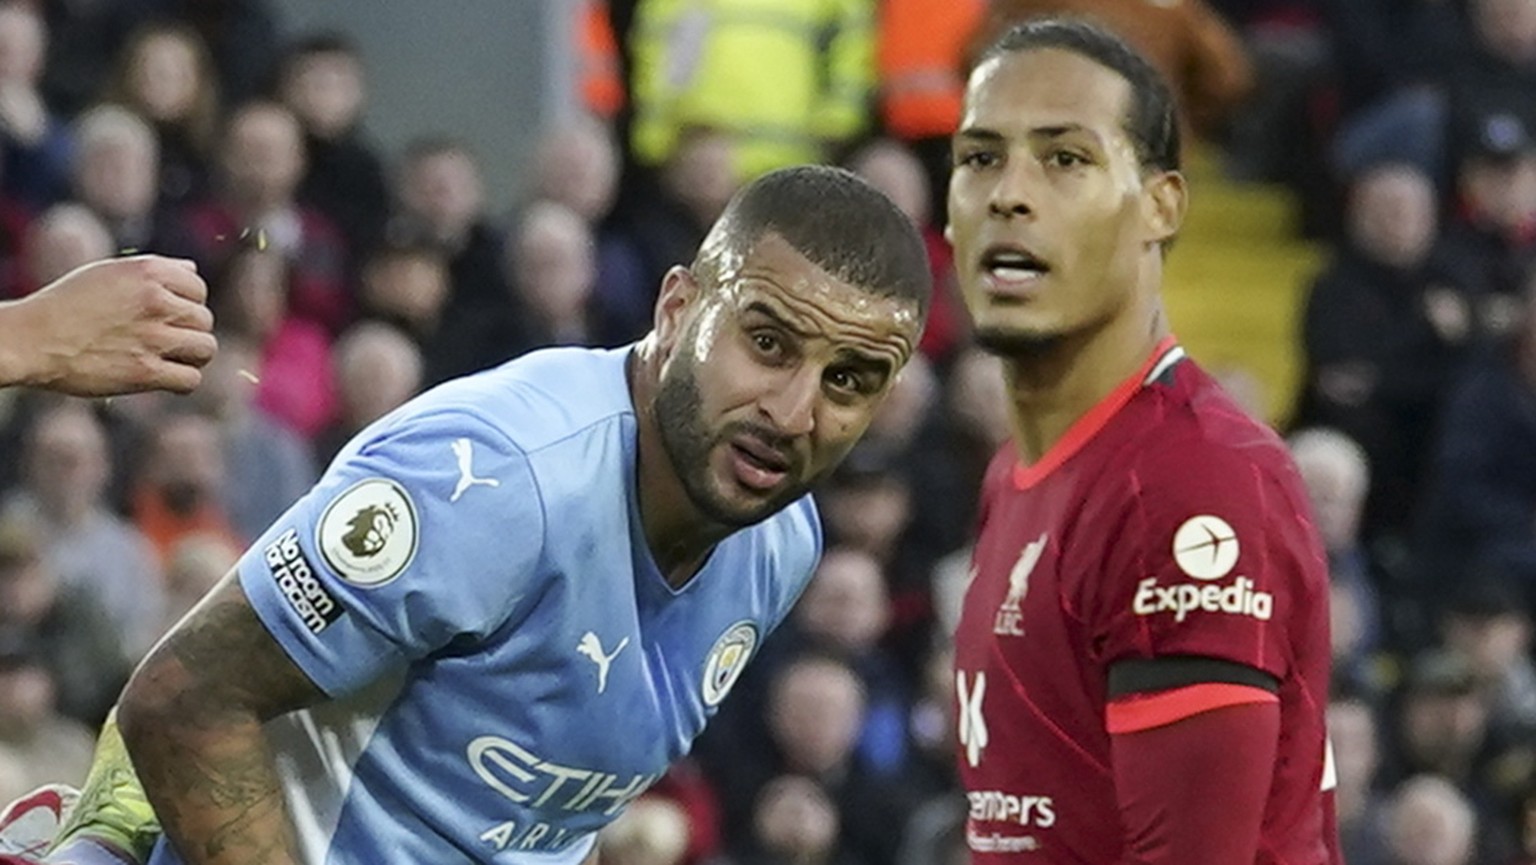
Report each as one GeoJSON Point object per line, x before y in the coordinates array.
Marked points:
{"type": "Point", "coordinates": [781, 77]}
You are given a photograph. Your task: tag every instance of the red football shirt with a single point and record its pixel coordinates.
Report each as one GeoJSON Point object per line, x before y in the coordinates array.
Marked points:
{"type": "Point", "coordinates": [1166, 522]}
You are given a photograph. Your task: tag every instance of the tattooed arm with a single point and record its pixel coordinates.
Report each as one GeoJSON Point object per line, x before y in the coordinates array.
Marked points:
{"type": "Point", "coordinates": [192, 716]}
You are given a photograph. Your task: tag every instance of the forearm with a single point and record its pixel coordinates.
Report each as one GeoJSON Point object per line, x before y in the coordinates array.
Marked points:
{"type": "Point", "coordinates": [16, 349]}
{"type": "Point", "coordinates": [212, 782]}
{"type": "Point", "coordinates": [192, 720]}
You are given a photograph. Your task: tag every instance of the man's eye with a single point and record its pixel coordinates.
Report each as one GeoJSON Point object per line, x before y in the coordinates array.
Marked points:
{"type": "Point", "coordinates": [767, 343]}
{"type": "Point", "coordinates": [1067, 159]}
{"type": "Point", "coordinates": [845, 381]}
{"type": "Point", "coordinates": [979, 159]}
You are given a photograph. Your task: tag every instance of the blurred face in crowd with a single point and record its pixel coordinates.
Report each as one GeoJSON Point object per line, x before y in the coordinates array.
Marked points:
{"type": "Point", "coordinates": [771, 370]}
{"type": "Point", "coordinates": [578, 166]}
{"type": "Point", "coordinates": [119, 176]}
{"type": "Point", "coordinates": [26, 699]}
{"type": "Point", "coordinates": [66, 236]}
{"type": "Point", "coordinates": [555, 267]}
{"type": "Point", "coordinates": [895, 171]}
{"type": "Point", "coordinates": [846, 602]}
{"type": "Point", "coordinates": [28, 589]}
{"type": "Point", "coordinates": [1392, 216]}
{"type": "Point", "coordinates": [23, 44]}
{"type": "Point", "coordinates": [979, 397]}
{"type": "Point", "coordinates": [702, 174]}
{"type": "Point", "coordinates": [407, 287]}
{"type": "Point", "coordinates": [1501, 191]}
{"type": "Point", "coordinates": [263, 156]}
{"type": "Point", "coordinates": [1494, 643]}
{"type": "Point", "coordinates": [326, 91]}
{"type": "Point", "coordinates": [1430, 823]}
{"type": "Point", "coordinates": [794, 818]}
{"type": "Point", "coordinates": [163, 76]}
{"type": "Point", "coordinates": [377, 370]}
{"type": "Point", "coordinates": [1442, 731]}
{"type": "Point", "coordinates": [1507, 28]}
{"type": "Point", "coordinates": [1052, 215]}
{"type": "Point", "coordinates": [443, 189]}
{"type": "Point", "coordinates": [187, 462]}
{"type": "Point", "coordinates": [869, 512]}
{"type": "Point", "coordinates": [258, 293]}
{"type": "Point", "coordinates": [1352, 731]}
{"type": "Point", "coordinates": [816, 709]}
{"type": "Point", "coordinates": [67, 465]}
{"type": "Point", "coordinates": [904, 413]}
{"type": "Point", "coordinates": [1336, 485]}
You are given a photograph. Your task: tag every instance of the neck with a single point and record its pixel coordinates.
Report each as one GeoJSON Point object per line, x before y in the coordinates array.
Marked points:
{"type": "Point", "coordinates": [1053, 388]}
{"type": "Point", "coordinates": [678, 534]}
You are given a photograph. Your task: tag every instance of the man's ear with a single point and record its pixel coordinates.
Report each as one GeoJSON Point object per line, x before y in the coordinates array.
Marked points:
{"type": "Point", "coordinates": [1165, 201]}
{"type": "Point", "coordinates": [679, 293]}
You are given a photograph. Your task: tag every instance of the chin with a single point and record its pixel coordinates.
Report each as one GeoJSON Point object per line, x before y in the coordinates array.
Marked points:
{"type": "Point", "coordinates": [1017, 342]}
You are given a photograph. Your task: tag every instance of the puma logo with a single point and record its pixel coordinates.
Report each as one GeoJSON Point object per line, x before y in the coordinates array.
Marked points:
{"type": "Point", "coordinates": [592, 647]}
{"type": "Point", "coordinates": [463, 449]}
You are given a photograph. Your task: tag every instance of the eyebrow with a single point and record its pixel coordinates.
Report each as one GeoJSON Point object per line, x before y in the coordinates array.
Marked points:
{"type": "Point", "coordinates": [852, 356]}
{"type": "Point", "coordinates": [1058, 130]}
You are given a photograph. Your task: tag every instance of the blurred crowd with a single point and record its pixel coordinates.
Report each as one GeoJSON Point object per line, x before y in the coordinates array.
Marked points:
{"type": "Point", "coordinates": [346, 279]}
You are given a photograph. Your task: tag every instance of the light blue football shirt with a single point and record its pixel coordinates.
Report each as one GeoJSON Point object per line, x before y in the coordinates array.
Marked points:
{"type": "Point", "coordinates": [470, 582]}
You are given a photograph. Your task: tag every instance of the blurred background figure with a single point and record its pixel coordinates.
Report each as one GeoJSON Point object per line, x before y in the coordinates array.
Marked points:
{"type": "Point", "coordinates": [166, 76]}
{"type": "Point", "coordinates": [45, 746]}
{"type": "Point", "coordinates": [261, 164]}
{"type": "Point", "coordinates": [34, 144]}
{"type": "Point", "coordinates": [651, 831]}
{"type": "Point", "coordinates": [63, 631]}
{"type": "Point", "coordinates": [321, 80]}
{"type": "Point", "coordinates": [794, 823]}
{"type": "Point", "coordinates": [1430, 823]}
{"type": "Point", "coordinates": [64, 237]}
{"type": "Point", "coordinates": [554, 274]}
{"type": "Point", "coordinates": [786, 88]}
{"type": "Point", "coordinates": [67, 465]}
{"type": "Point", "coordinates": [180, 488]}
{"type": "Point", "coordinates": [117, 175]}
{"type": "Point", "coordinates": [377, 369]}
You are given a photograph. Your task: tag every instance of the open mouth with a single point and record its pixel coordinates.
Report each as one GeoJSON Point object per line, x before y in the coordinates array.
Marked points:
{"type": "Point", "coordinates": [1013, 265]}
{"type": "Point", "coordinates": [758, 466]}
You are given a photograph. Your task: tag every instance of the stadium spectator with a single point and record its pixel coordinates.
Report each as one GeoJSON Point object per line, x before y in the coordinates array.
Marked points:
{"type": "Point", "coordinates": [377, 369]}
{"type": "Point", "coordinates": [250, 298]}
{"type": "Point", "coordinates": [554, 274]}
{"type": "Point", "coordinates": [269, 465]}
{"type": "Point", "coordinates": [784, 89]}
{"type": "Point", "coordinates": [64, 237]}
{"type": "Point", "coordinates": [322, 80]}
{"type": "Point", "coordinates": [1352, 731]}
{"type": "Point", "coordinates": [261, 162]}
{"type": "Point", "coordinates": [1383, 333]}
{"type": "Point", "coordinates": [1431, 823]}
{"type": "Point", "coordinates": [65, 630]}
{"type": "Point", "coordinates": [166, 76]}
{"type": "Point", "coordinates": [66, 469]}
{"type": "Point", "coordinates": [49, 747]}
{"type": "Point", "coordinates": [180, 488]}
{"type": "Point", "coordinates": [117, 175]}
{"type": "Point", "coordinates": [34, 145]}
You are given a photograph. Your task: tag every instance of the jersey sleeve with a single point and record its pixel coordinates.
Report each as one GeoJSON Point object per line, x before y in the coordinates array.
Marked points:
{"type": "Point", "coordinates": [1204, 555]}
{"type": "Point", "coordinates": [429, 532]}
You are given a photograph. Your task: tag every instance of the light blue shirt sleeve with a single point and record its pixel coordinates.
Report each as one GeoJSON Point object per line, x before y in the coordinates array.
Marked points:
{"type": "Point", "coordinates": [428, 531]}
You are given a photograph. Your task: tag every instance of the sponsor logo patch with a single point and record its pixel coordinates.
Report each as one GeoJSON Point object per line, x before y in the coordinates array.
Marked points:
{"type": "Point", "coordinates": [727, 659]}
{"type": "Point", "coordinates": [368, 534]}
{"type": "Point", "coordinates": [296, 580]}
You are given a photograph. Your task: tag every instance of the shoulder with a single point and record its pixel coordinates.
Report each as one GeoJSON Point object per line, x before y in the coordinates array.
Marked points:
{"type": "Point", "coordinates": [1197, 448]}
{"type": "Point", "coordinates": [539, 399]}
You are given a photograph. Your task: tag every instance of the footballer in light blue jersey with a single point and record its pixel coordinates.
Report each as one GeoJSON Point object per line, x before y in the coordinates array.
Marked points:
{"type": "Point", "coordinates": [510, 604]}
{"type": "Point", "coordinates": [481, 550]}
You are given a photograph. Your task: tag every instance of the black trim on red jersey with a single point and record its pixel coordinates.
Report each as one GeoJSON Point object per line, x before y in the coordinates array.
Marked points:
{"type": "Point", "coordinates": [1142, 675]}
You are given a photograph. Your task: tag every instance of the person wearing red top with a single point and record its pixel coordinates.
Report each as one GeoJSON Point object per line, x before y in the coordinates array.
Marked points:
{"type": "Point", "coordinates": [1142, 659]}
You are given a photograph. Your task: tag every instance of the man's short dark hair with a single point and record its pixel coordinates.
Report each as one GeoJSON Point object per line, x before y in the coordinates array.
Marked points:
{"type": "Point", "coordinates": [1153, 122]}
{"type": "Point", "coordinates": [839, 223]}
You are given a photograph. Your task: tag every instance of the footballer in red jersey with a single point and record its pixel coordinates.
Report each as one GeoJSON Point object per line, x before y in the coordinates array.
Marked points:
{"type": "Point", "coordinates": [1142, 663]}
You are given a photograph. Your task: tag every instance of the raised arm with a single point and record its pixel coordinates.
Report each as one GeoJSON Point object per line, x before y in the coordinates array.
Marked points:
{"type": "Point", "coordinates": [110, 327]}
{"type": "Point", "coordinates": [191, 717]}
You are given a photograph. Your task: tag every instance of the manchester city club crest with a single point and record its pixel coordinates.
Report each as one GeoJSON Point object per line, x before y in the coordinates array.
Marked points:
{"type": "Point", "coordinates": [727, 659]}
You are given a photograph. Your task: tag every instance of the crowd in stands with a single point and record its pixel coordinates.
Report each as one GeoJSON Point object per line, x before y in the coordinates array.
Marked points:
{"type": "Point", "coordinates": [346, 279]}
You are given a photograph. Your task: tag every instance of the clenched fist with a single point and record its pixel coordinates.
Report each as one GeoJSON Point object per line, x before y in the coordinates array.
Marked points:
{"type": "Point", "coordinates": [111, 327]}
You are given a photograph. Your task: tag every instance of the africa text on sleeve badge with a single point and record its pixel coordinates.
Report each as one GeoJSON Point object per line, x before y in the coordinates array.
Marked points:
{"type": "Point", "coordinates": [368, 533]}
{"type": "Point", "coordinates": [727, 659]}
